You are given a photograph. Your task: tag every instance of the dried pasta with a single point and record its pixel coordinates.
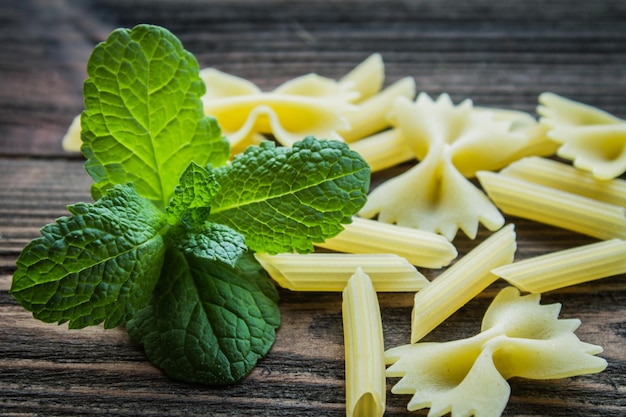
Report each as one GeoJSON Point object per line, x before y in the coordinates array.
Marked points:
{"type": "Point", "coordinates": [519, 338]}
{"type": "Point", "coordinates": [307, 105]}
{"type": "Point", "coordinates": [364, 348]}
{"type": "Point", "coordinates": [331, 271]}
{"type": "Point", "coordinates": [452, 143]}
{"type": "Point", "coordinates": [384, 150]}
{"type": "Point", "coordinates": [433, 197]}
{"type": "Point", "coordinates": [71, 141]}
{"type": "Point", "coordinates": [420, 248]}
{"type": "Point", "coordinates": [461, 282]}
{"type": "Point", "coordinates": [548, 205]}
{"type": "Point", "coordinates": [567, 267]}
{"type": "Point", "coordinates": [564, 177]}
{"type": "Point", "coordinates": [593, 139]}
{"type": "Point", "coordinates": [370, 116]}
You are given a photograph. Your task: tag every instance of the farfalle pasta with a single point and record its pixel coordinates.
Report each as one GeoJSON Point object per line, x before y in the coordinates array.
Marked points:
{"type": "Point", "coordinates": [452, 143]}
{"type": "Point", "coordinates": [519, 338]}
{"type": "Point", "coordinates": [593, 139]}
{"type": "Point", "coordinates": [347, 109]}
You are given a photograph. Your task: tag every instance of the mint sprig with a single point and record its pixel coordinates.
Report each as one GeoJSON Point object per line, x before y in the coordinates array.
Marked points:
{"type": "Point", "coordinates": [143, 120]}
{"type": "Point", "coordinates": [99, 265]}
{"type": "Point", "coordinates": [167, 247]}
{"type": "Point", "coordinates": [286, 199]}
{"type": "Point", "coordinates": [207, 321]}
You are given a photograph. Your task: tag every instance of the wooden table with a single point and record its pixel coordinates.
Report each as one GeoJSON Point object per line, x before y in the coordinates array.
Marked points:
{"type": "Point", "coordinates": [498, 53]}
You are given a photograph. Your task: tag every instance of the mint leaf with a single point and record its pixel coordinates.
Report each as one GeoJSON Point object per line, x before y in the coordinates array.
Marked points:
{"type": "Point", "coordinates": [193, 195]}
{"type": "Point", "coordinates": [286, 199]}
{"type": "Point", "coordinates": [208, 322]}
{"type": "Point", "coordinates": [143, 120]}
{"type": "Point", "coordinates": [99, 265]}
{"type": "Point", "coordinates": [214, 242]}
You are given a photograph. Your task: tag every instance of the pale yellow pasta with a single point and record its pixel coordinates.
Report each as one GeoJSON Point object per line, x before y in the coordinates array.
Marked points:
{"type": "Point", "coordinates": [364, 348]}
{"type": "Point", "coordinates": [383, 150]}
{"type": "Point", "coordinates": [420, 248]}
{"type": "Point", "coordinates": [593, 139]}
{"type": "Point", "coordinates": [331, 271]}
{"type": "Point", "coordinates": [567, 178]}
{"type": "Point", "coordinates": [370, 116]}
{"type": "Point", "coordinates": [519, 338]}
{"type": "Point", "coordinates": [307, 105]}
{"type": "Point", "coordinates": [72, 141]}
{"type": "Point", "coordinates": [522, 198]}
{"type": "Point", "coordinates": [567, 267]}
{"type": "Point", "coordinates": [433, 196]}
{"type": "Point", "coordinates": [451, 142]}
{"type": "Point", "coordinates": [367, 78]}
{"type": "Point", "coordinates": [461, 282]}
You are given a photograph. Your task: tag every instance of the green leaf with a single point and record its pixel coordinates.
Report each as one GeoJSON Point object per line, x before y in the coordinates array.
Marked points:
{"type": "Point", "coordinates": [286, 199]}
{"type": "Point", "coordinates": [143, 120]}
{"type": "Point", "coordinates": [99, 265]}
{"type": "Point", "coordinates": [214, 242]}
{"type": "Point", "coordinates": [207, 322]}
{"type": "Point", "coordinates": [194, 193]}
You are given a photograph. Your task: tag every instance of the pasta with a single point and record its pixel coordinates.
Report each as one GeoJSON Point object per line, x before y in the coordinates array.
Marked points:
{"type": "Point", "coordinates": [558, 208]}
{"type": "Point", "coordinates": [308, 105]}
{"type": "Point", "coordinates": [519, 338]}
{"type": "Point", "coordinates": [331, 271]}
{"type": "Point", "coordinates": [363, 340]}
{"type": "Point", "coordinates": [383, 150]}
{"type": "Point", "coordinates": [71, 141]}
{"type": "Point", "coordinates": [452, 143]}
{"type": "Point", "coordinates": [420, 248]}
{"type": "Point", "coordinates": [593, 139]}
{"type": "Point", "coordinates": [461, 282]}
{"type": "Point", "coordinates": [370, 116]}
{"type": "Point", "coordinates": [567, 178]}
{"type": "Point", "coordinates": [348, 109]}
{"type": "Point", "coordinates": [433, 197]}
{"type": "Point", "coordinates": [567, 267]}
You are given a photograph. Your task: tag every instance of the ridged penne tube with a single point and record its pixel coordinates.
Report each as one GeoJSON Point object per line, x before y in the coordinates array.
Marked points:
{"type": "Point", "coordinates": [558, 208]}
{"type": "Point", "coordinates": [420, 248]}
{"type": "Point", "coordinates": [364, 348]}
{"type": "Point", "coordinates": [331, 271]}
{"type": "Point", "coordinates": [461, 282]}
{"type": "Point", "coordinates": [567, 267]}
{"type": "Point", "coordinates": [567, 178]}
{"type": "Point", "coordinates": [383, 150]}
{"type": "Point", "coordinates": [371, 115]}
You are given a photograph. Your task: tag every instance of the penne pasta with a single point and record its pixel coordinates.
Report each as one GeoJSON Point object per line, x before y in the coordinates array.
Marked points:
{"type": "Point", "coordinates": [567, 178]}
{"type": "Point", "coordinates": [558, 208]}
{"type": "Point", "coordinates": [364, 347]}
{"type": "Point", "coordinates": [331, 271]}
{"type": "Point", "coordinates": [370, 116]}
{"type": "Point", "coordinates": [461, 282]}
{"type": "Point", "coordinates": [567, 267]}
{"type": "Point", "coordinates": [420, 248]}
{"type": "Point", "coordinates": [383, 150]}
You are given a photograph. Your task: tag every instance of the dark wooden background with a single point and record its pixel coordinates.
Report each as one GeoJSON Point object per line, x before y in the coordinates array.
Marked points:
{"type": "Point", "coordinates": [498, 53]}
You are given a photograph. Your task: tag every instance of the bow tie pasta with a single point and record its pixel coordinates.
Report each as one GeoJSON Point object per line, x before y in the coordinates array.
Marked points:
{"type": "Point", "coordinates": [452, 142]}
{"type": "Point", "coordinates": [519, 338]}
{"type": "Point", "coordinates": [593, 139]}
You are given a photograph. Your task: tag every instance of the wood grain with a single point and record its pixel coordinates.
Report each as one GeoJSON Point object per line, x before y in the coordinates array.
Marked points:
{"type": "Point", "coordinates": [498, 53]}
